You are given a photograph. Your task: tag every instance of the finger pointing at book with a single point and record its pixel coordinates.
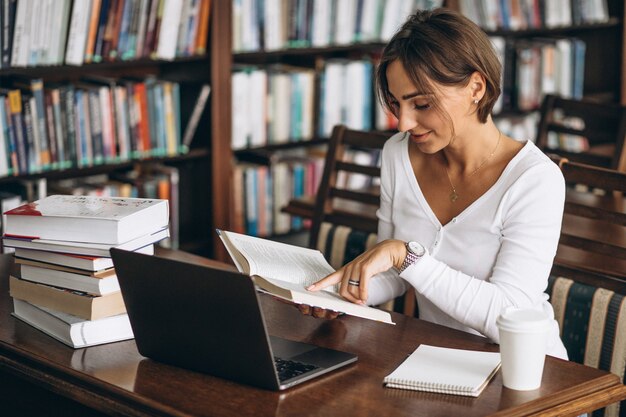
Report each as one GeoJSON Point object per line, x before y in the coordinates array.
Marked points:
{"type": "Point", "coordinates": [354, 277]}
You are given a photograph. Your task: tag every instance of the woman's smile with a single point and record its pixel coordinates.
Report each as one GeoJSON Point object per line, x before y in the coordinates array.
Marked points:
{"type": "Point", "coordinates": [420, 137]}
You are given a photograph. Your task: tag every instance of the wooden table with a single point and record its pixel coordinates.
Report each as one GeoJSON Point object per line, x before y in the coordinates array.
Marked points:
{"type": "Point", "coordinates": [115, 379]}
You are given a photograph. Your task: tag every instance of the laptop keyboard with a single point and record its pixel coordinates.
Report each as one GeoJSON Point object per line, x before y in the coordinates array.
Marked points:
{"type": "Point", "coordinates": [288, 369]}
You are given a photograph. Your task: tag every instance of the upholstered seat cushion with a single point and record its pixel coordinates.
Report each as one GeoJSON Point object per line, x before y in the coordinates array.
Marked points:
{"type": "Point", "coordinates": [592, 321]}
{"type": "Point", "coordinates": [341, 244]}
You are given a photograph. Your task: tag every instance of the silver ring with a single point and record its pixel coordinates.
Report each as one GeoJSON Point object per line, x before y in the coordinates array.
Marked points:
{"type": "Point", "coordinates": [354, 282]}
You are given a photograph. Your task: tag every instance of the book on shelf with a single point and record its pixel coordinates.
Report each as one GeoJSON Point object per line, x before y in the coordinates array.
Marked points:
{"type": "Point", "coordinates": [285, 271]}
{"type": "Point", "coordinates": [93, 282]}
{"type": "Point", "coordinates": [76, 303]}
{"type": "Point", "coordinates": [194, 119]}
{"type": "Point", "coordinates": [71, 330]}
{"type": "Point", "coordinates": [93, 219]}
{"type": "Point", "coordinates": [445, 370]}
{"type": "Point", "coordinates": [82, 262]}
{"type": "Point", "coordinates": [83, 248]}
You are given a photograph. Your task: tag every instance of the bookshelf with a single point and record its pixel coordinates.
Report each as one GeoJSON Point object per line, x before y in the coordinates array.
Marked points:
{"type": "Point", "coordinates": [206, 171]}
{"type": "Point", "coordinates": [203, 169]}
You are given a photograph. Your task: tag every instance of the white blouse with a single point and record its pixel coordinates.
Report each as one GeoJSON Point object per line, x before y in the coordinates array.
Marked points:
{"type": "Point", "coordinates": [497, 253]}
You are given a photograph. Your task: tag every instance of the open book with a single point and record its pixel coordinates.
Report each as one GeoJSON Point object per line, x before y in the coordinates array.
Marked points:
{"type": "Point", "coordinates": [286, 270]}
{"type": "Point", "coordinates": [445, 370]}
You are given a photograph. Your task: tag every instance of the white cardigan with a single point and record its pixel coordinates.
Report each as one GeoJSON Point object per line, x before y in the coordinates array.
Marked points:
{"type": "Point", "coordinates": [497, 253]}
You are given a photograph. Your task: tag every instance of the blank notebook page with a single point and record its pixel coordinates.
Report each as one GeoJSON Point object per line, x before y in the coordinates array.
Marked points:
{"type": "Point", "coordinates": [445, 370]}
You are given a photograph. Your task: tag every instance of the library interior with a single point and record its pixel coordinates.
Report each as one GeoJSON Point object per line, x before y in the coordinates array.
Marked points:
{"type": "Point", "coordinates": [255, 138]}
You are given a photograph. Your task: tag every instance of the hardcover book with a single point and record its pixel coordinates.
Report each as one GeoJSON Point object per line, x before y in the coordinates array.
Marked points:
{"type": "Point", "coordinates": [76, 303]}
{"type": "Point", "coordinates": [71, 330]}
{"type": "Point", "coordinates": [84, 248]}
{"type": "Point", "coordinates": [93, 282]}
{"type": "Point", "coordinates": [84, 262]}
{"type": "Point", "coordinates": [286, 270]}
{"type": "Point", "coordinates": [108, 220]}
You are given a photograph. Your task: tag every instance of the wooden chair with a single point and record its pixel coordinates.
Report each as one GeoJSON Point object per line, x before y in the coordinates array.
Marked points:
{"type": "Point", "coordinates": [349, 192]}
{"type": "Point", "coordinates": [593, 235]}
{"type": "Point", "coordinates": [592, 326]}
{"type": "Point", "coordinates": [602, 124]}
{"type": "Point", "coordinates": [343, 213]}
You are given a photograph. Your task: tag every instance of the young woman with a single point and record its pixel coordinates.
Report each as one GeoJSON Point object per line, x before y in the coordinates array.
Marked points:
{"type": "Point", "coordinates": [468, 216]}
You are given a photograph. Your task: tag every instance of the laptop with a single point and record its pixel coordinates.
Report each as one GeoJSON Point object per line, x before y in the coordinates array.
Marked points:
{"type": "Point", "coordinates": [209, 320]}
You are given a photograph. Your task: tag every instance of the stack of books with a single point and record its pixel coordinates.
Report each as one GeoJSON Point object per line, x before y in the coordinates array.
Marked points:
{"type": "Point", "coordinates": [64, 282]}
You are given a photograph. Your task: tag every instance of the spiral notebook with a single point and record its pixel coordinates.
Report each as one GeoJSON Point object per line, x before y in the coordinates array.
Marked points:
{"type": "Point", "coordinates": [445, 370]}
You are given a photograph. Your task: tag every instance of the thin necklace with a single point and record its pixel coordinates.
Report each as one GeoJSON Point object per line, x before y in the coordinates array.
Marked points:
{"type": "Point", "coordinates": [454, 195]}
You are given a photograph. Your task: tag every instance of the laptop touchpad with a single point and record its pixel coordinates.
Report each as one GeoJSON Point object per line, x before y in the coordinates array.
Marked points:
{"type": "Point", "coordinates": [287, 349]}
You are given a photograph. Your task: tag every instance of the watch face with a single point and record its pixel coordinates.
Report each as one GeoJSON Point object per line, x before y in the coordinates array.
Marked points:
{"type": "Point", "coordinates": [416, 248]}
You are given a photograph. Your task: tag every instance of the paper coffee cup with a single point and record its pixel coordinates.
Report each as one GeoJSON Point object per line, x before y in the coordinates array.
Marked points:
{"type": "Point", "coordinates": [523, 341]}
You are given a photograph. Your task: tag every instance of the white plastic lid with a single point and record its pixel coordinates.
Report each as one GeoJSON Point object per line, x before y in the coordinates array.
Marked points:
{"type": "Point", "coordinates": [523, 320]}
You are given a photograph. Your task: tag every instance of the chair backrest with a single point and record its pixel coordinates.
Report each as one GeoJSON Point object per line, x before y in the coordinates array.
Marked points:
{"type": "Point", "coordinates": [593, 235]}
{"type": "Point", "coordinates": [601, 125]}
{"type": "Point", "coordinates": [349, 191]}
{"type": "Point", "coordinates": [592, 323]}
{"type": "Point", "coordinates": [344, 222]}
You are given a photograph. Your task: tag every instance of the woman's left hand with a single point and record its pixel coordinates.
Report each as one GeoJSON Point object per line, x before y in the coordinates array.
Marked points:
{"type": "Point", "coordinates": [354, 276]}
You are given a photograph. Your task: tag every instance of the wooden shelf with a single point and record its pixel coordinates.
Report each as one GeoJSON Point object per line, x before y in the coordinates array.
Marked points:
{"type": "Point", "coordinates": [45, 71]}
{"type": "Point", "coordinates": [75, 172]}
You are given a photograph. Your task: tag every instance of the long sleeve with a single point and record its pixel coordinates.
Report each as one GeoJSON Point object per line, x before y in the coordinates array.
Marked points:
{"type": "Point", "coordinates": [529, 238]}
{"type": "Point", "coordinates": [498, 252]}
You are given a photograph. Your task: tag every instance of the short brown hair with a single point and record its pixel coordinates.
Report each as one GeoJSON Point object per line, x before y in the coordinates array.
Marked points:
{"type": "Point", "coordinates": [444, 47]}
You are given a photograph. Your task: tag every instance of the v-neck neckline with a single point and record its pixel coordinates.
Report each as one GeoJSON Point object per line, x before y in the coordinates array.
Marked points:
{"type": "Point", "coordinates": [476, 203]}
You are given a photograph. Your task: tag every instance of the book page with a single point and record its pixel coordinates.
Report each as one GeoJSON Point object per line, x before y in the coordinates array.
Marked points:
{"type": "Point", "coordinates": [324, 299]}
{"type": "Point", "coordinates": [281, 261]}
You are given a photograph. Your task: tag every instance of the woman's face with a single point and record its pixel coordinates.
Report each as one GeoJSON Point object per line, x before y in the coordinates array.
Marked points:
{"type": "Point", "coordinates": [429, 129]}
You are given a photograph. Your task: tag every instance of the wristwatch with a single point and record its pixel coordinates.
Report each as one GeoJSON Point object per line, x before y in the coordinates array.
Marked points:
{"type": "Point", "coordinates": [414, 252]}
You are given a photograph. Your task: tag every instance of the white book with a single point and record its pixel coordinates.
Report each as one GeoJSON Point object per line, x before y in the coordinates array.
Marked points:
{"type": "Point", "coordinates": [71, 330]}
{"type": "Point", "coordinates": [370, 20]}
{"type": "Point", "coordinates": [92, 219]}
{"type": "Point", "coordinates": [168, 32]}
{"type": "Point", "coordinates": [286, 270]}
{"type": "Point", "coordinates": [564, 71]}
{"type": "Point", "coordinates": [257, 107]}
{"type": "Point", "coordinates": [60, 17]}
{"type": "Point", "coordinates": [273, 36]}
{"type": "Point", "coordinates": [358, 85]}
{"type": "Point", "coordinates": [282, 195]}
{"type": "Point", "coordinates": [82, 248]}
{"type": "Point", "coordinates": [445, 370]}
{"type": "Point", "coordinates": [499, 45]}
{"type": "Point", "coordinates": [96, 283]}
{"type": "Point", "coordinates": [321, 23]}
{"type": "Point", "coordinates": [240, 117]}
{"type": "Point", "coordinates": [391, 11]}
{"type": "Point", "coordinates": [87, 263]}
{"type": "Point", "coordinates": [77, 36]}
{"type": "Point", "coordinates": [307, 81]}
{"type": "Point", "coordinates": [345, 22]}
{"type": "Point", "coordinates": [281, 107]}
{"type": "Point", "coordinates": [333, 95]}
{"type": "Point", "coordinates": [21, 34]}
{"type": "Point", "coordinates": [491, 9]}
{"type": "Point", "coordinates": [121, 121]}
